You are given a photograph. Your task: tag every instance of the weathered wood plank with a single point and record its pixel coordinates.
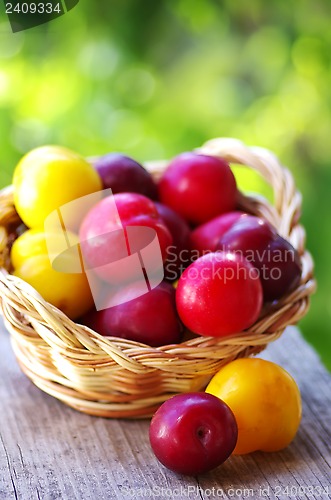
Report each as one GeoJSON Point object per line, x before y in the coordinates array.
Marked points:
{"type": "Point", "coordinates": [49, 451]}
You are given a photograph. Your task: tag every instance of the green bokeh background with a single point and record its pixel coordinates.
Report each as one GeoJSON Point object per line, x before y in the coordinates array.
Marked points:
{"type": "Point", "coordinates": [154, 78]}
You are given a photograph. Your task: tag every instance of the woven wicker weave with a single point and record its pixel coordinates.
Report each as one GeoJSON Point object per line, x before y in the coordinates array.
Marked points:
{"type": "Point", "coordinates": [112, 377]}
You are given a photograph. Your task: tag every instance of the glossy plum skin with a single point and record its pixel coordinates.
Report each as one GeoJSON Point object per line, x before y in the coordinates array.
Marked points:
{"type": "Point", "coordinates": [198, 187]}
{"type": "Point", "coordinates": [205, 238]}
{"type": "Point", "coordinates": [277, 262]}
{"type": "Point", "coordinates": [248, 235]}
{"type": "Point", "coordinates": [102, 237]}
{"type": "Point", "coordinates": [280, 270]}
{"type": "Point", "coordinates": [180, 232]}
{"type": "Point", "coordinates": [123, 174]}
{"type": "Point", "coordinates": [219, 294]}
{"type": "Point", "coordinates": [150, 319]}
{"type": "Point", "coordinates": [193, 433]}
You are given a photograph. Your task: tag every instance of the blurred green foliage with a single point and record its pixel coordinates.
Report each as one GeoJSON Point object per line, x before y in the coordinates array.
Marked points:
{"type": "Point", "coordinates": [154, 78]}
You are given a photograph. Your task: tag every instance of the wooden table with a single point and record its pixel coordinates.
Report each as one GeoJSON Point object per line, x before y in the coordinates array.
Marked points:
{"type": "Point", "coordinates": [49, 451]}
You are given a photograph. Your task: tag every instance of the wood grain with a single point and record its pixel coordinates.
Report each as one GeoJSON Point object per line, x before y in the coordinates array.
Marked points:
{"type": "Point", "coordinates": [49, 451]}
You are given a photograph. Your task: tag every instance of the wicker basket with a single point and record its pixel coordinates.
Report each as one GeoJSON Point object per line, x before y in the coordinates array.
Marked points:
{"type": "Point", "coordinates": [112, 377]}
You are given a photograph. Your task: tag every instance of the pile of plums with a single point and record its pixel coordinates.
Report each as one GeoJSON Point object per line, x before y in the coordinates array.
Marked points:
{"type": "Point", "coordinates": [220, 265]}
